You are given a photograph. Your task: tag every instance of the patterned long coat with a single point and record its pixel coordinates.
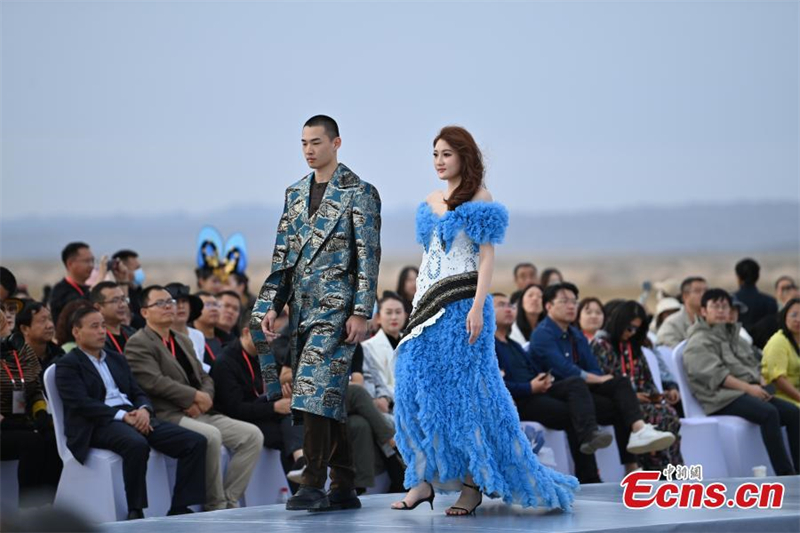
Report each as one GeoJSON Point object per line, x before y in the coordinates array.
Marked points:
{"type": "Point", "coordinates": [325, 267]}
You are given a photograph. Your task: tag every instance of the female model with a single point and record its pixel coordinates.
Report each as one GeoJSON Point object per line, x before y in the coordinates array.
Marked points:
{"type": "Point", "coordinates": [457, 426]}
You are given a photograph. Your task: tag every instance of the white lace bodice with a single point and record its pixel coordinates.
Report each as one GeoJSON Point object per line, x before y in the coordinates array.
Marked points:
{"type": "Point", "coordinates": [438, 264]}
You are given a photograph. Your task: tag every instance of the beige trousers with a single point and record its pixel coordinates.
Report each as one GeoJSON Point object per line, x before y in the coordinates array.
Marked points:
{"type": "Point", "coordinates": [243, 440]}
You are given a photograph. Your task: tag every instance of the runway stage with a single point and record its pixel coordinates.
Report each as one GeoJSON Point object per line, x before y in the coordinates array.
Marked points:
{"type": "Point", "coordinates": [597, 508]}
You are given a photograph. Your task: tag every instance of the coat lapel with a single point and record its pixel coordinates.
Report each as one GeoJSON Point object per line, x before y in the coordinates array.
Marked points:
{"type": "Point", "coordinates": [91, 370]}
{"type": "Point", "coordinates": [337, 198]}
{"type": "Point", "coordinates": [165, 352]}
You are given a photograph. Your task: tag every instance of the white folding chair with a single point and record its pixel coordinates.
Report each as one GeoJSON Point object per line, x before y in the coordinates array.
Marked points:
{"type": "Point", "coordinates": [739, 440]}
{"type": "Point", "coordinates": [652, 363]}
{"type": "Point", "coordinates": [9, 485]}
{"type": "Point", "coordinates": [557, 441]}
{"type": "Point", "coordinates": [96, 489]}
{"type": "Point", "coordinates": [268, 481]}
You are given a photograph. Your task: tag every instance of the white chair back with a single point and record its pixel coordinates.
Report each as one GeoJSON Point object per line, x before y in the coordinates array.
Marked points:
{"type": "Point", "coordinates": [655, 370]}
{"type": "Point", "coordinates": [57, 411]}
{"type": "Point", "coordinates": [691, 407]}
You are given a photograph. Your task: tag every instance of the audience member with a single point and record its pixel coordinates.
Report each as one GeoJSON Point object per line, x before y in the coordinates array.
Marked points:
{"type": "Point", "coordinates": [240, 284]}
{"type": "Point", "coordinates": [379, 350]}
{"type": "Point", "coordinates": [675, 328]}
{"type": "Point", "coordinates": [209, 281]}
{"type": "Point", "coordinates": [26, 433]}
{"type": "Point", "coordinates": [780, 364]}
{"type": "Point", "coordinates": [525, 274]}
{"type": "Point", "coordinates": [230, 313]}
{"type": "Point", "coordinates": [724, 375]}
{"type": "Point", "coordinates": [666, 307]}
{"type": "Point", "coordinates": [550, 276]}
{"type": "Point", "coordinates": [36, 326]}
{"type": "Point", "coordinates": [79, 262]}
{"type": "Point", "coordinates": [131, 279]}
{"type": "Point", "coordinates": [188, 308]}
{"type": "Point", "coordinates": [530, 313]}
{"type": "Point", "coordinates": [64, 337]}
{"type": "Point", "coordinates": [590, 317]}
{"type": "Point", "coordinates": [565, 405]}
{"type": "Point", "coordinates": [114, 413]}
{"type": "Point", "coordinates": [618, 349]}
{"type": "Point", "coordinates": [566, 353]}
{"type": "Point", "coordinates": [164, 365]}
{"type": "Point", "coordinates": [109, 298]}
{"type": "Point", "coordinates": [763, 330]}
{"type": "Point", "coordinates": [8, 284]}
{"type": "Point", "coordinates": [759, 304]}
{"type": "Point", "coordinates": [207, 323]}
{"type": "Point", "coordinates": [240, 395]}
{"type": "Point", "coordinates": [407, 287]}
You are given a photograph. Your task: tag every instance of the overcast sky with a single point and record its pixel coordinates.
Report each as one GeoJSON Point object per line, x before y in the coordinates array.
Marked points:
{"type": "Point", "coordinates": [124, 107]}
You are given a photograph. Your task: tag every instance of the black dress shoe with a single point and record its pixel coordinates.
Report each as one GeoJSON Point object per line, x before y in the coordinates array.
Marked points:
{"type": "Point", "coordinates": [341, 499]}
{"type": "Point", "coordinates": [135, 514]}
{"type": "Point", "coordinates": [174, 511]}
{"type": "Point", "coordinates": [308, 499]}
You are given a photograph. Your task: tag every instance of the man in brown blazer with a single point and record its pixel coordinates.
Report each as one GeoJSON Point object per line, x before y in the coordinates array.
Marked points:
{"type": "Point", "coordinates": [164, 364]}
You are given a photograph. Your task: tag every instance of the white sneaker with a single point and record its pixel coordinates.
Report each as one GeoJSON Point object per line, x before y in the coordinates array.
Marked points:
{"type": "Point", "coordinates": [649, 439]}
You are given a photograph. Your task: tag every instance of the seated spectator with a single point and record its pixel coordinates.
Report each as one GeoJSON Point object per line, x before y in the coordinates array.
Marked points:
{"type": "Point", "coordinates": [529, 313]}
{"type": "Point", "coordinates": [781, 361]}
{"type": "Point", "coordinates": [164, 365]}
{"type": "Point", "coordinates": [110, 300]}
{"type": "Point", "coordinates": [759, 304]}
{"type": "Point", "coordinates": [567, 354]}
{"type": "Point", "coordinates": [590, 317]}
{"type": "Point", "coordinates": [36, 326]}
{"type": "Point", "coordinates": [551, 276]}
{"type": "Point", "coordinates": [763, 330]}
{"type": "Point", "coordinates": [188, 308]}
{"type": "Point", "coordinates": [64, 337]}
{"type": "Point", "coordinates": [407, 287]}
{"type": "Point", "coordinates": [79, 262]}
{"type": "Point", "coordinates": [618, 349]}
{"type": "Point", "coordinates": [379, 354]}
{"type": "Point", "coordinates": [8, 288]}
{"type": "Point", "coordinates": [564, 405]}
{"type": "Point", "coordinates": [26, 433]}
{"type": "Point", "coordinates": [525, 274]}
{"type": "Point", "coordinates": [113, 413]}
{"type": "Point", "coordinates": [724, 375]}
{"type": "Point", "coordinates": [208, 281]}
{"type": "Point", "coordinates": [675, 328]}
{"type": "Point", "coordinates": [207, 323]}
{"type": "Point", "coordinates": [131, 279]}
{"type": "Point", "coordinates": [230, 312]}
{"type": "Point", "coordinates": [240, 284]}
{"type": "Point", "coordinates": [240, 395]}
{"type": "Point", "coordinates": [666, 307]}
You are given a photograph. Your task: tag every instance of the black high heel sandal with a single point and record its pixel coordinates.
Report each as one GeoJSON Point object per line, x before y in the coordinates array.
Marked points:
{"type": "Point", "coordinates": [466, 512]}
{"type": "Point", "coordinates": [407, 507]}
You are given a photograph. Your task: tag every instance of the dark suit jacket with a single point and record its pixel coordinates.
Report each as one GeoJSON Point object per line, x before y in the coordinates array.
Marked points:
{"type": "Point", "coordinates": [82, 390]}
{"type": "Point", "coordinates": [162, 376]}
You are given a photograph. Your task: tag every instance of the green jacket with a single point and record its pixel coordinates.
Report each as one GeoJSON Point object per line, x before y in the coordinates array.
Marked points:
{"type": "Point", "coordinates": [713, 353]}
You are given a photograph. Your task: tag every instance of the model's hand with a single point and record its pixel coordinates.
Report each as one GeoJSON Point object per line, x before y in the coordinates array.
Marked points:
{"type": "Point", "coordinates": [268, 325]}
{"type": "Point", "coordinates": [356, 329]}
{"type": "Point", "coordinates": [474, 323]}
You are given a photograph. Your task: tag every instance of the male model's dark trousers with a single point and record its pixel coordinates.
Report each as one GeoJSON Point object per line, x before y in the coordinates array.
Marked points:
{"type": "Point", "coordinates": [172, 440]}
{"type": "Point", "coordinates": [326, 444]}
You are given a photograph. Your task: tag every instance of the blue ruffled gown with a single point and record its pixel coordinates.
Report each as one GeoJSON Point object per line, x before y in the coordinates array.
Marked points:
{"type": "Point", "coordinates": [453, 413]}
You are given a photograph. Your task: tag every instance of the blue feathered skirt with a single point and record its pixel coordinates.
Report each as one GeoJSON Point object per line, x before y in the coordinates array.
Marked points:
{"type": "Point", "coordinates": [455, 417]}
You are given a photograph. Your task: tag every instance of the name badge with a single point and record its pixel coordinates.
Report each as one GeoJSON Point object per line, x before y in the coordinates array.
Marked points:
{"type": "Point", "coordinates": [18, 402]}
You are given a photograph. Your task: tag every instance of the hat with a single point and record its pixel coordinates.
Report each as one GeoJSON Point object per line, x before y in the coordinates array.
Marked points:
{"type": "Point", "coordinates": [179, 291]}
{"type": "Point", "coordinates": [667, 304]}
{"type": "Point", "coordinates": [739, 304]}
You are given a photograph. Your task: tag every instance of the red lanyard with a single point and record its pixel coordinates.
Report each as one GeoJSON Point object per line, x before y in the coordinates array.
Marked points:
{"type": "Point", "coordinates": [211, 353]}
{"type": "Point", "coordinates": [19, 367]}
{"type": "Point", "coordinates": [75, 286]}
{"type": "Point", "coordinates": [171, 344]}
{"type": "Point", "coordinates": [114, 340]}
{"type": "Point", "coordinates": [630, 360]}
{"type": "Point", "coordinates": [250, 367]}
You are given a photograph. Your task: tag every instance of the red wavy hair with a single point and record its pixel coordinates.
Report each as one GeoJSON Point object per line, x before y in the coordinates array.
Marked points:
{"type": "Point", "coordinates": [472, 169]}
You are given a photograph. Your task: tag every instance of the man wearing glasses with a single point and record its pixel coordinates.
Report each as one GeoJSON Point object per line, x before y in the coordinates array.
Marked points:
{"type": "Point", "coordinates": [110, 300]}
{"type": "Point", "coordinates": [164, 364]}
